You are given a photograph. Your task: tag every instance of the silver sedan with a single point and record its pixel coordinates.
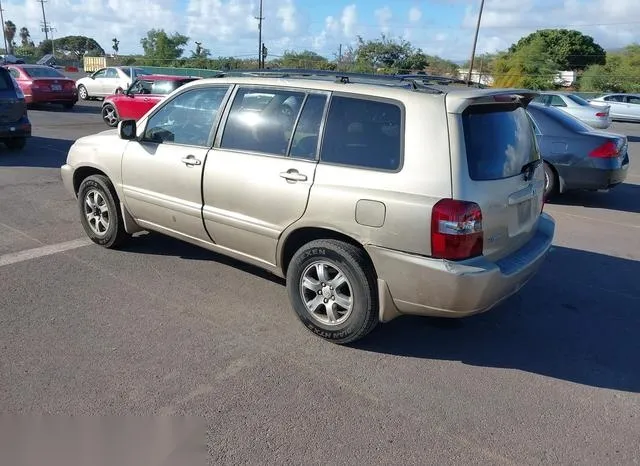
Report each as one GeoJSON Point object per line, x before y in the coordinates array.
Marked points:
{"type": "Point", "coordinates": [625, 107]}
{"type": "Point", "coordinates": [596, 116]}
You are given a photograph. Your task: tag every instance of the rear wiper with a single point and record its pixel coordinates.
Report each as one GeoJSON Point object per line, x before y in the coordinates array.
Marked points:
{"type": "Point", "coordinates": [528, 169]}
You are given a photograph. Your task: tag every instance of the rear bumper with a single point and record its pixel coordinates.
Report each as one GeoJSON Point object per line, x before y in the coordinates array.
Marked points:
{"type": "Point", "coordinates": [51, 97]}
{"type": "Point", "coordinates": [604, 174]}
{"type": "Point", "coordinates": [18, 129]}
{"type": "Point", "coordinates": [410, 284]}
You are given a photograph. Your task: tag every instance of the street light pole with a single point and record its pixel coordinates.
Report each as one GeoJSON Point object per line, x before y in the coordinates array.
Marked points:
{"type": "Point", "coordinates": [475, 42]}
{"type": "Point", "coordinates": [4, 34]}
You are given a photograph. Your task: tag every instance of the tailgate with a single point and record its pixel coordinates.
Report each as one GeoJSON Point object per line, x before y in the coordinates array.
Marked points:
{"type": "Point", "coordinates": [496, 164]}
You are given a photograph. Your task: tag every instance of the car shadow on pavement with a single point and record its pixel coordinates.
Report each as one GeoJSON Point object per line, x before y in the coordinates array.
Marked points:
{"type": "Point", "coordinates": [162, 245]}
{"type": "Point", "coordinates": [578, 320]}
{"type": "Point", "coordinates": [39, 152]}
{"type": "Point", "coordinates": [624, 198]}
{"type": "Point", "coordinates": [78, 108]}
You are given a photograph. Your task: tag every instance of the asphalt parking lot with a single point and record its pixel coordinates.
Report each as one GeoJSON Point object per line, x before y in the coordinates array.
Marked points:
{"type": "Point", "coordinates": [551, 376]}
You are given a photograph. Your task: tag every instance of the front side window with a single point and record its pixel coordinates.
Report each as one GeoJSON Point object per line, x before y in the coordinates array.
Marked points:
{"type": "Point", "coordinates": [100, 73]}
{"type": "Point", "coordinates": [186, 119]}
{"type": "Point", "coordinates": [363, 133]}
{"type": "Point", "coordinates": [262, 120]}
{"type": "Point", "coordinates": [633, 100]}
{"type": "Point", "coordinates": [141, 86]}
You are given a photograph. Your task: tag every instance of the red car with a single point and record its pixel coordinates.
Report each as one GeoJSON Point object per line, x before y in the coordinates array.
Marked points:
{"type": "Point", "coordinates": [43, 84]}
{"type": "Point", "coordinates": [142, 95]}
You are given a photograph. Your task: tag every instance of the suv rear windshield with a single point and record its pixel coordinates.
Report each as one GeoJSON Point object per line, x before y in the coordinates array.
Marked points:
{"type": "Point", "coordinates": [499, 141]}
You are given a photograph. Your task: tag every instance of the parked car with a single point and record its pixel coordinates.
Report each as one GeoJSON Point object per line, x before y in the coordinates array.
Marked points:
{"type": "Point", "coordinates": [593, 115]}
{"type": "Point", "coordinates": [576, 156]}
{"type": "Point", "coordinates": [624, 107]}
{"type": "Point", "coordinates": [15, 126]}
{"type": "Point", "coordinates": [141, 96]}
{"type": "Point", "coordinates": [373, 200]}
{"type": "Point", "coordinates": [107, 81]}
{"type": "Point", "coordinates": [42, 84]}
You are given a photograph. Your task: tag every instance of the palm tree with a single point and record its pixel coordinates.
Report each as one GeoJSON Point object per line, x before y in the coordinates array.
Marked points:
{"type": "Point", "coordinates": [10, 34]}
{"type": "Point", "coordinates": [25, 37]}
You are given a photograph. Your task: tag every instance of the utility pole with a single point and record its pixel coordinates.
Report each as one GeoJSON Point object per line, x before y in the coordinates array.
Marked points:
{"type": "Point", "coordinates": [260, 18]}
{"type": "Point", "coordinates": [475, 41]}
{"type": "Point", "coordinates": [4, 34]}
{"type": "Point", "coordinates": [45, 28]}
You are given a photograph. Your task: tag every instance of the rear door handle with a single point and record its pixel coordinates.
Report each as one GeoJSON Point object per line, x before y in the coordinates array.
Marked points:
{"type": "Point", "coordinates": [293, 175]}
{"type": "Point", "coordinates": [191, 160]}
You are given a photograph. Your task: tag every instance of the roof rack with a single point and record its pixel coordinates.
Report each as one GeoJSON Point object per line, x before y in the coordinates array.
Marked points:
{"type": "Point", "coordinates": [423, 82]}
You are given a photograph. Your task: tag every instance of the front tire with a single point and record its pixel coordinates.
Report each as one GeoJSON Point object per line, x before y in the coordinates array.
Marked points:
{"type": "Point", "coordinates": [110, 115]}
{"type": "Point", "coordinates": [16, 144]}
{"type": "Point", "coordinates": [332, 288]}
{"type": "Point", "coordinates": [83, 93]}
{"type": "Point", "coordinates": [100, 213]}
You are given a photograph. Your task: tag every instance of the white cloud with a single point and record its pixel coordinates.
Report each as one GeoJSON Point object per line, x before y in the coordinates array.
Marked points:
{"type": "Point", "coordinates": [415, 14]}
{"type": "Point", "coordinates": [384, 15]}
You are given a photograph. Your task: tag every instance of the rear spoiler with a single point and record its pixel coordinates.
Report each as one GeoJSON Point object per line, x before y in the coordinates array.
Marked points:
{"type": "Point", "coordinates": [457, 102]}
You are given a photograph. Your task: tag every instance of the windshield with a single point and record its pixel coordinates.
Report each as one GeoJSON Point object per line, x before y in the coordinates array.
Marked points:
{"type": "Point", "coordinates": [44, 72]}
{"type": "Point", "coordinates": [578, 100]}
{"type": "Point", "coordinates": [499, 141]}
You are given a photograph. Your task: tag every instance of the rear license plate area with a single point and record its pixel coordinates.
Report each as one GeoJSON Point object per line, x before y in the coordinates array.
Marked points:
{"type": "Point", "coordinates": [56, 87]}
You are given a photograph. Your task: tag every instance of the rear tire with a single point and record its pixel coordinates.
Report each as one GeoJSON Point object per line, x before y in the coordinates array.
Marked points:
{"type": "Point", "coordinates": [16, 144]}
{"type": "Point", "coordinates": [333, 290]}
{"type": "Point", "coordinates": [100, 212]}
{"type": "Point", "coordinates": [550, 182]}
{"type": "Point", "coordinates": [83, 93]}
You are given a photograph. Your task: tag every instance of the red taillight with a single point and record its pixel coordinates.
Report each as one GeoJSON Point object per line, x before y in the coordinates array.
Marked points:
{"type": "Point", "coordinates": [456, 230]}
{"type": "Point", "coordinates": [601, 114]}
{"type": "Point", "coordinates": [607, 150]}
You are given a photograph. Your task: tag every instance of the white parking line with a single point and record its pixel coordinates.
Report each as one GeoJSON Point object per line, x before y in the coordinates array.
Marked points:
{"type": "Point", "coordinates": [48, 250]}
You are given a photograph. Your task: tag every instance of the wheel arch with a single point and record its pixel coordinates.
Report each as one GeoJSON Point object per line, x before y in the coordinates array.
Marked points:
{"type": "Point", "coordinates": [297, 238]}
{"type": "Point", "coordinates": [560, 180]}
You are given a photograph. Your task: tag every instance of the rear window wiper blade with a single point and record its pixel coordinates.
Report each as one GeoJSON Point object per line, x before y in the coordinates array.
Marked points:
{"type": "Point", "coordinates": [528, 169]}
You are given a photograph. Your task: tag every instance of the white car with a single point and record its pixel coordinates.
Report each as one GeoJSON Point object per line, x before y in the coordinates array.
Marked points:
{"type": "Point", "coordinates": [623, 106]}
{"type": "Point", "coordinates": [107, 81]}
{"type": "Point", "coordinates": [593, 115]}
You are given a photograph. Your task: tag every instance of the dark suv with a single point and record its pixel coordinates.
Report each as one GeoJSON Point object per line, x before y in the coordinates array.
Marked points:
{"type": "Point", "coordinates": [15, 126]}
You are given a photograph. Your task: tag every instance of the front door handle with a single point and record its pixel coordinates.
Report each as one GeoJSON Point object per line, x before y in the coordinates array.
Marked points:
{"type": "Point", "coordinates": [191, 160]}
{"type": "Point", "coordinates": [293, 175]}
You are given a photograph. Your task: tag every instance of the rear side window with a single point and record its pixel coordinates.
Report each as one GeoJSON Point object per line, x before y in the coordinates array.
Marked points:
{"type": "Point", "coordinates": [6, 82]}
{"type": "Point", "coordinates": [363, 133]}
{"type": "Point", "coordinates": [556, 101]}
{"type": "Point", "coordinates": [499, 141]}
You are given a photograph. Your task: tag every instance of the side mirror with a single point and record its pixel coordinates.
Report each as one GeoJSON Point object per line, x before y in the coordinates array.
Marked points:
{"type": "Point", "coordinates": [127, 130]}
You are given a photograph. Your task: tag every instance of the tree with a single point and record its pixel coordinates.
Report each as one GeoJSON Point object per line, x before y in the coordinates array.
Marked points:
{"type": "Point", "coordinates": [619, 73]}
{"type": "Point", "coordinates": [115, 45]}
{"type": "Point", "coordinates": [45, 47]}
{"type": "Point", "coordinates": [441, 67]}
{"type": "Point", "coordinates": [25, 37]}
{"type": "Point", "coordinates": [305, 59]}
{"type": "Point", "coordinates": [531, 66]}
{"type": "Point", "coordinates": [77, 46]}
{"type": "Point", "coordinates": [569, 49]}
{"type": "Point", "coordinates": [200, 52]}
{"type": "Point", "coordinates": [389, 54]}
{"type": "Point", "coordinates": [157, 45]}
{"type": "Point", "coordinates": [10, 34]}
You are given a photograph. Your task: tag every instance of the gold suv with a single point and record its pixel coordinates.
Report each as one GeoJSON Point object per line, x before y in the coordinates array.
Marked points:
{"type": "Point", "coordinates": [373, 196]}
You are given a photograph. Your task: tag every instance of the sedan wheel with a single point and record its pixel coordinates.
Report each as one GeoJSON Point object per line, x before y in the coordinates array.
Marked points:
{"type": "Point", "coordinates": [82, 92]}
{"type": "Point", "coordinates": [109, 115]}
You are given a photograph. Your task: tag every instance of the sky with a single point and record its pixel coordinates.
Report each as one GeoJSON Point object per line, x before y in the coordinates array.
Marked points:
{"type": "Point", "coordinates": [229, 27]}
